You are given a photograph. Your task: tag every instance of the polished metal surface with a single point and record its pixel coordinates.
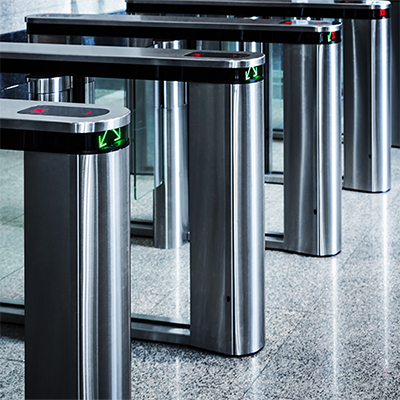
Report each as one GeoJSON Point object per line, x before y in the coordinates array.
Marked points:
{"type": "Point", "coordinates": [226, 205]}
{"type": "Point", "coordinates": [115, 118]}
{"type": "Point", "coordinates": [89, 83]}
{"type": "Point", "coordinates": [77, 258]}
{"type": "Point", "coordinates": [160, 329]}
{"type": "Point", "coordinates": [56, 89]}
{"type": "Point", "coordinates": [353, 4]}
{"type": "Point", "coordinates": [367, 105]}
{"type": "Point", "coordinates": [187, 22]}
{"type": "Point", "coordinates": [121, 55]}
{"type": "Point", "coordinates": [395, 72]}
{"type": "Point", "coordinates": [171, 198]}
{"type": "Point", "coordinates": [312, 155]}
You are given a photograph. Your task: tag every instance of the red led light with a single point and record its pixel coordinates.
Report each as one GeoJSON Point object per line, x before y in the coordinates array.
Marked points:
{"type": "Point", "coordinates": [288, 22]}
{"type": "Point", "coordinates": [382, 13]}
{"type": "Point", "coordinates": [86, 113]}
{"type": "Point", "coordinates": [39, 110]}
{"type": "Point", "coordinates": [197, 54]}
{"type": "Point", "coordinates": [333, 35]}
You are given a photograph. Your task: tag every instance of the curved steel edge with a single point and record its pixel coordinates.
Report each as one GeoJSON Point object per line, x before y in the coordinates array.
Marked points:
{"type": "Point", "coordinates": [11, 119]}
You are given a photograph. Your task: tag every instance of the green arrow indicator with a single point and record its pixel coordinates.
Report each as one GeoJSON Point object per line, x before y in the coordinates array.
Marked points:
{"type": "Point", "coordinates": [329, 37]}
{"type": "Point", "coordinates": [247, 74]}
{"type": "Point", "coordinates": [118, 134]}
{"type": "Point", "coordinates": [102, 140]}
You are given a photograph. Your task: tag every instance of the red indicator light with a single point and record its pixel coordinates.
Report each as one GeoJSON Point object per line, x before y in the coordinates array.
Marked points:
{"type": "Point", "coordinates": [333, 35]}
{"type": "Point", "coordinates": [382, 13]}
{"type": "Point", "coordinates": [39, 110]}
{"type": "Point", "coordinates": [288, 22]}
{"type": "Point", "coordinates": [234, 55]}
{"type": "Point", "coordinates": [197, 54]}
{"type": "Point", "coordinates": [86, 113]}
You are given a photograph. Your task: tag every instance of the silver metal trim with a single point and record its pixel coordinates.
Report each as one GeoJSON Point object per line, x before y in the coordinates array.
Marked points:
{"type": "Point", "coordinates": [121, 55]}
{"type": "Point", "coordinates": [370, 4]}
{"type": "Point", "coordinates": [203, 23]}
{"type": "Point", "coordinates": [115, 118]}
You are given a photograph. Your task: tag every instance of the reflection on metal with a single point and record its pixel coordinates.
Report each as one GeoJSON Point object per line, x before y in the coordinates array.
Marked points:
{"type": "Point", "coordinates": [160, 329]}
{"type": "Point", "coordinates": [226, 152]}
{"type": "Point", "coordinates": [50, 89]}
{"type": "Point", "coordinates": [142, 228]}
{"type": "Point", "coordinates": [12, 311]}
{"type": "Point", "coordinates": [367, 106]}
{"type": "Point", "coordinates": [274, 177]}
{"type": "Point", "coordinates": [312, 162]}
{"type": "Point", "coordinates": [171, 198]}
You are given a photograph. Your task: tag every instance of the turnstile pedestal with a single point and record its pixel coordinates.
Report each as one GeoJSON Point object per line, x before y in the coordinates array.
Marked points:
{"type": "Point", "coordinates": [77, 247]}
{"type": "Point", "coordinates": [226, 152]}
{"type": "Point", "coordinates": [367, 105]}
{"type": "Point", "coordinates": [312, 152]}
{"type": "Point", "coordinates": [77, 276]}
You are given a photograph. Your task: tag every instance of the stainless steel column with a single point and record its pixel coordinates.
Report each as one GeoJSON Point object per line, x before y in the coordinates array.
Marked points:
{"type": "Point", "coordinates": [367, 117]}
{"type": "Point", "coordinates": [63, 88]}
{"type": "Point", "coordinates": [77, 248]}
{"type": "Point", "coordinates": [226, 180]}
{"type": "Point", "coordinates": [171, 198]}
{"type": "Point", "coordinates": [312, 161]}
{"type": "Point", "coordinates": [77, 276]}
{"type": "Point", "coordinates": [50, 88]}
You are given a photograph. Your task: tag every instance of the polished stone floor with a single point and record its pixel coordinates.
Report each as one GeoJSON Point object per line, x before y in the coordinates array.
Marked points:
{"type": "Point", "coordinates": [332, 324]}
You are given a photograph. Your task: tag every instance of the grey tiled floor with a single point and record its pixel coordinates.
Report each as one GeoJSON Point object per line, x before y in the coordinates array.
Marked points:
{"type": "Point", "coordinates": [332, 324]}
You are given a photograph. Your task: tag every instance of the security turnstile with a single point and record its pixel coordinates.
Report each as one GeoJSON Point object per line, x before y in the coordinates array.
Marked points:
{"type": "Point", "coordinates": [77, 247]}
{"type": "Point", "coordinates": [226, 151]}
{"type": "Point", "coordinates": [366, 35]}
{"type": "Point", "coordinates": [312, 199]}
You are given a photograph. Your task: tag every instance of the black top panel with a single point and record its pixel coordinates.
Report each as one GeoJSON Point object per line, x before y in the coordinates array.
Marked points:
{"type": "Point", "coordinates": [71, 111]}
{"type": "Point", "coordinates": [127, 71]}
{"type": "Point", "coordinates": [67, 143]}
{"type": "Point", "coordinates": [292, 36]}
{"type": "Point", "coordinates": [251, 9]}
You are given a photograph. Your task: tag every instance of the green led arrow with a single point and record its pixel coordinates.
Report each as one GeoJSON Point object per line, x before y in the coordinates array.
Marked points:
{"type": "Point", "coordinates": [329, 37]}
{"type": "Point", "coordinates": [251, 71]}
{"type": "Point", "coordinates": [255, 72]}
{"type": "Point", "coordinates": [102, 140]}
{"type": "Point", "coordinates": [118, 133]}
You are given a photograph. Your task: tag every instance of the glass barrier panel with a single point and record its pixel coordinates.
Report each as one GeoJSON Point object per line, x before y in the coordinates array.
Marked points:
{"type": "Point", "coordinates": [12, 212]}
{"type": "Point", "coordinates": [147, 138]}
